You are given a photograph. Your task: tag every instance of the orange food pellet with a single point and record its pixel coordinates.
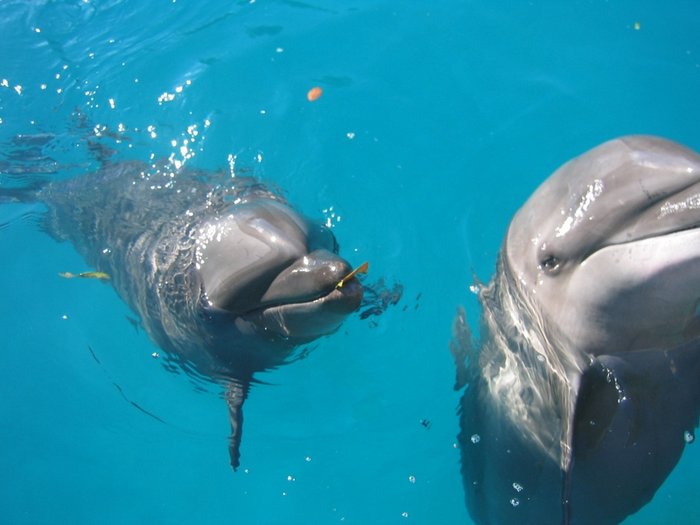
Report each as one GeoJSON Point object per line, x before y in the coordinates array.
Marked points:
{"type": "Point", "coordinates": [314, 93]}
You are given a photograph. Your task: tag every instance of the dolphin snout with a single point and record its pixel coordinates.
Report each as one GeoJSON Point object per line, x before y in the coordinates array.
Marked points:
{"type": "Point", "coordinates": [306, 300]}
{"type": "Point", "coordinates": [309, 277]}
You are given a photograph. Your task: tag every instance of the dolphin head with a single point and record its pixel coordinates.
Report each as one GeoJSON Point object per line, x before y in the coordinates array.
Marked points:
{"type": "Point", "coordinates": [609, 246]}
{"type": "Point", "coordinates": [274, 273]}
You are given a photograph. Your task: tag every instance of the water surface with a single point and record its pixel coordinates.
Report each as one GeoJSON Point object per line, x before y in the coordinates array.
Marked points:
{"type": "Point", "coordinates": [436, 122]}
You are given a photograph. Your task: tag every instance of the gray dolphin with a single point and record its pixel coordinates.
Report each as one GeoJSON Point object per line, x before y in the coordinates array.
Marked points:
{"type": "Point", "coordinates": [585, 386]}
{"type": "Point", "coordinates": [224, 274]}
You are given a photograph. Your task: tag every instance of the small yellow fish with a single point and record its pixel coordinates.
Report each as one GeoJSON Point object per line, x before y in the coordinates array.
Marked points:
{"type": "Point", "coordinates": [102, 276]}
{"type": "Point", "coordinates": [360, 269]}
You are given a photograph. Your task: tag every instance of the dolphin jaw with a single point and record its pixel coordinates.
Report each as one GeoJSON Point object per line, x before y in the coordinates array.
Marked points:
{"type": "Point", "coordinates": [310, 277]}
{"type": "Point", "coordinates": [307, 320]}
{"type": "Point", "coordinates": [643, 293]}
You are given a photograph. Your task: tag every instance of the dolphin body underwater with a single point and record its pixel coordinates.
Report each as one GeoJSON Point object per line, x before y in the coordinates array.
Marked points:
{"type": "Point", "coordinates": [226, 277]}
{"type": "Point", "coordinates": [585, 386]}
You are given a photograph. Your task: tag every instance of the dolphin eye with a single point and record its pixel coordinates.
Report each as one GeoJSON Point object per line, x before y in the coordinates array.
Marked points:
{"type": "Point", "coordinates": [550, 264]}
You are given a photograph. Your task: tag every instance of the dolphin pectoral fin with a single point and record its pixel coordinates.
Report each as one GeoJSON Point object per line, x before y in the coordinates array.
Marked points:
{"type": "Point", "coordinates": [236, 394]}
{"type": "Point", "coordinates": [635, 412]}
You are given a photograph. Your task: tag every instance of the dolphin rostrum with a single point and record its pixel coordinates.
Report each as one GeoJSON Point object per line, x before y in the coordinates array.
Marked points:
{"type": "Point", "coordinates": [224, 274]}
{"type": "Point", "coordinates": [585, 386]}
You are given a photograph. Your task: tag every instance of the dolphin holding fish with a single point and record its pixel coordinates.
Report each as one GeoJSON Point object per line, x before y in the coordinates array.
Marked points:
{"type": "Point", "coordinates": [225, 275]}
{"type": "Point", "coordinates": [584, 387]}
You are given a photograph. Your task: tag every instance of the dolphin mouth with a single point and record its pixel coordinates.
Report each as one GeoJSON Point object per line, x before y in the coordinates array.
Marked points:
{"type": "Point", "coordinates": [309, 298]}
{"type": "Point", "coordinates": [318, 276]}
{"type": "Point", "coordinates": [305, 319]}
{"type": "Point", "coordinates": [352, 287]}
{"type": "Point", "coordinates": [662, 216]}
{"type": "Point", "coordinates": [346, 300]}
{"type": "Point", "coordinates": [660, 236]}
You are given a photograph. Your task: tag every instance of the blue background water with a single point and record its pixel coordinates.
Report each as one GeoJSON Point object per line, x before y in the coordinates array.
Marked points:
{"type": "Point", "coordinates": [436, 122]}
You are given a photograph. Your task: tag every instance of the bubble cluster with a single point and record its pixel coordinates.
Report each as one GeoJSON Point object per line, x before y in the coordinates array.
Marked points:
{"type": "Point", "coordinates": [167, 96]}
{"type": "Point", "coordinates": [332, 218]}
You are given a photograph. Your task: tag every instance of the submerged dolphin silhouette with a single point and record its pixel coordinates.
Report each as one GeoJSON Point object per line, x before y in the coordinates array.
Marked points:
{"type": "Point", "coordinates": [585, 387]}
{"type": "Point", "coordinates": [225, 275]}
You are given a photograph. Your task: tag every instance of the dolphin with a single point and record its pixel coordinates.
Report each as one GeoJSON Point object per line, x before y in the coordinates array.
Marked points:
{"type": "Point", "coordinates": [225, 276]}
{"type": "Point", "coordinates": [584, 386]}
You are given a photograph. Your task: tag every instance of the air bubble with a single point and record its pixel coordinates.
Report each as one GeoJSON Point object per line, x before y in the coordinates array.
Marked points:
{"type": "Point", "coordinates": [515, 502]}
{"type": "Point", "coordinates": [475, 438]}
{"type": "Point", "coordinates": [688, 436]}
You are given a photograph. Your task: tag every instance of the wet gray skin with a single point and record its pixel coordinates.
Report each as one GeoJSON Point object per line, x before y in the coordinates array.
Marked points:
{"type": "Point", "coordinates": [224, 274]}
{"type": "Point", "coordinates": [584, 388]}
{"type": "Point", "coordinates": [269, 266]}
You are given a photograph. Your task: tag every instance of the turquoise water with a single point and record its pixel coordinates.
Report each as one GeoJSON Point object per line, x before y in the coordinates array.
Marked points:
{"type": "Point", "coordinates": [436, 122]}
